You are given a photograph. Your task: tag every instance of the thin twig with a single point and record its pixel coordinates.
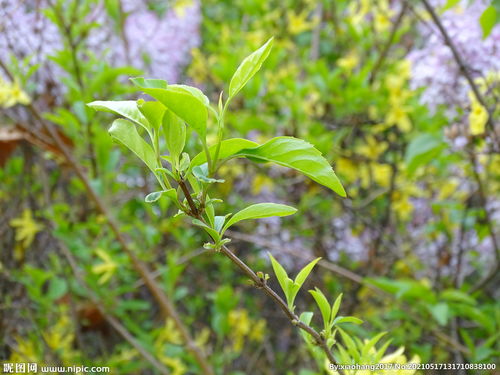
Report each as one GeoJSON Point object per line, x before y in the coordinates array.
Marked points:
{"type": "Point", "coordinates": [388, 45]}
{"type": "Point", "coordinates": [300, 253]}
{"type": "Point", "coordinates": [462, 66]}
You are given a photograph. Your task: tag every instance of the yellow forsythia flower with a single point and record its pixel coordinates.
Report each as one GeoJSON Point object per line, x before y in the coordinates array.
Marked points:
{"type": "Point", "coordinates": [26, 228]}
{"type": "Point", "coordinates": [298, 23]}
{"type": "Point", "coordinates": [12, 94]}
{"type": "Point", "coordinates": [105, 269]}
{"type": "Point", "coordinates": [349, 62]}
{"type": "Point", "coordinates": [478, 116]}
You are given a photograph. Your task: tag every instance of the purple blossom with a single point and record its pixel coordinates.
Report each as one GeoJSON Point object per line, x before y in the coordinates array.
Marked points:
{"type": "Point", "coordinates": [433, 66]}
{"type": "Point", "coordinates": [160, 45]}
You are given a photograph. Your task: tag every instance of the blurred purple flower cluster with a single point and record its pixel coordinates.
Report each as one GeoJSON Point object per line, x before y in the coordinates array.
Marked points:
{"type": "Point", "coordinates": [158, 44]}
{"type": "Point", "coordinates": [433, 66]}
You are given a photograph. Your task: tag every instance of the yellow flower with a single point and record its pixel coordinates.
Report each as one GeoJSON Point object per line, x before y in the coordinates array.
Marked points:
{"type": "Point", "coordinates": [478, 116]}
{"type": "Point", "coordinates": [258, 331]}
{"type": "Point", "coordinates": [399, 358]}
{"type": "Point", "coordinates": [298, 23]}
{"type": "Point", "coordinates": [261, 182]}
{"type": "Point", "coordinates": [26, 228]}
{"type": "Point", "coordinates": [382, 174]}
{"type": "Point", "coordinates": [181, 5]}
{"type": "Point", "coordinates": [358, 12]}
{"type": "Point", "coordinates": [177, 367]}
{"type": "Point", "coordinates": [105, 269]}
{"type": "Point", "coordinates": [373, 148]}
{"type": "Point", "coordinates": [402, 205]}
{"type": "Point", "coordinates": [382, 22]}
{"type": "Point", "coordinates": [398, 115]}
{"type": "Point", "coordinates": [12, 94]}
{"type": "Point", "coordinates": [347, 168]}
{"type": "Point", "coordinates": [349, 62]}
{"type": "Point", "coordinates": [240, 324]}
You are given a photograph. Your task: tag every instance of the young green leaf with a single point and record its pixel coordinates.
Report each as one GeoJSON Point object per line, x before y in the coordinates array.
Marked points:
{"type": "Point", "coordinates": [347, 319]}
{"type": "Point", "coordinates": [259, 211]}
{"type": "Point", "coordinates": [488, 20]}
{"type": "Point", "coordinates": [294, 286]}
{"type": "Point", "coordinates": [297, 154]}
{"type": "Point", "coordinates": [154, 196]}
{"type": "Point", "coordinates": [351, 346]}
{"type": "Point", "coordinates": [335, 309]}
{"type": "Point", "coordinates": [153, 111]}
{"type": "Point", "coordinates": [125, 108]}
{"type": "Point", "coordinates": [201, 173]}
{"type": "Point", "coordinates": [151, 83]}
{"type": "Point", "coordinates": [323, 305]}
{"type": "Point", "coordinates": [196, 92]}
{"type": "Point", "coordinates": [211, 231]}
{"type": "Point", "coordinates": [175, 134]}
{"type": "Point", "coordinates": [280, 273]}
{"type": "Point", "coordinates": [248, 67]}
{"type": "Point", "coordinates": [228, 148]}
{"type": "Point", "coordinates": [302, 275]}
{"type": "Point", "coordinates": [371, 344]}
{"type": "Point", "coordinates": [126, 133]}
{"type": "Point", "coordinates": [185, 105]}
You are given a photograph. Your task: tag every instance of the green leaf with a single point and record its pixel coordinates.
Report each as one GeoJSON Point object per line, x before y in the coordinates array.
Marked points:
{"type": "Point", "coordinates": [153, 111]}
{"type": "Point", "coordinates": [211, 231]}
{"type": "Point", "coordinates": [488, 20]}
{"type": "Point", "coordinates": [335, 309]}
{"type": "Point", "coordinates": [280, 273]}
{"type": "Point", "coordinates": [154, 196]}
{"type": "Point", "coordinates": [259, 211]}
{"type": "Point", "coordinates": [175, 134]}
{"type": "Point", "coordinates": [347, 319]}
{"type": "Point", "coordinates": [201, 173]}
{"type": "Point", "coordinates": [299, 155]}
{"type": "Point", "coordinates": [323, 305]}
{"type": "Point", "coordinates": [449, 4]}
{"type": "Point", "coordinates": [248, 67]}
{"type": "Point", "coordinates": [351, 346]}
{"type": "Point", "coordinates": [421, 150]}
{"type": "Point", "coordinates": [126, 108]}
{"type": "Point", "coordinates": [371, 344]}
{"type": "Point", "coordinates": [57, 288]}
{"type": "Point", "coordinates": [151, 83]}
{"type": "Point", "coordinates": [126, 133]}
{"type": "Point", "coordinates": [228, 148]}
{"type": "Point", "coordinates": [457, 296]}
{"type": "Point", "coordinates": [302, 275]}
{"type": "Point", "coordinates": [185, 105]}
{"type": "Point", "coordinates": [440, 312]}
{"type": "Point", "coordinates": [219, 222]}
{"type": "Point", "coordinates": [196, 92]}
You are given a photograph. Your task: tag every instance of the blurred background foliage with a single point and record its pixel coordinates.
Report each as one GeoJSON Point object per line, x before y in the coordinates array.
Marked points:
{"type": "Point", "coordinates": [371, 83]}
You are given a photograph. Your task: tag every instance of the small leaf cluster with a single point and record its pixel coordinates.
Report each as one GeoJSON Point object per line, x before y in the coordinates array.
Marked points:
{"type": "Point", "coordinates": [149, 128]}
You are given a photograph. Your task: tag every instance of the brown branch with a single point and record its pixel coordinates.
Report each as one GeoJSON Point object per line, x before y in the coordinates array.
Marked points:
{"type": "Point", "coordinates": [388, 45]}
{"type": "Point", "coordinates": [300, 253]}
{"type": "Point", "coordinates": [462, 66]}
{"type": "Point", "coordinates": [261, 283]}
